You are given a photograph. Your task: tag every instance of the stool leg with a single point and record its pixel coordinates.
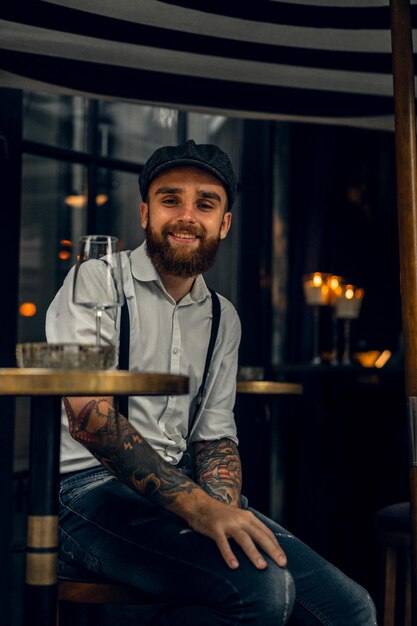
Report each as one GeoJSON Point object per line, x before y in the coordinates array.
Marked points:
{"type": "Point", "coordinates": [390, 581]}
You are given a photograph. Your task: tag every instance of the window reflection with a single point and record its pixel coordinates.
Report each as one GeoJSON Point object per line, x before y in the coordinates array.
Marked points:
{"type": "Point", "coordinates": [119, 214]}
{"type": "Point", "coordinates": [55, 120]}
{"type": "Point", "coordinates": [131, 132]}
{"type": "Point", "coordinates": [49, 226]}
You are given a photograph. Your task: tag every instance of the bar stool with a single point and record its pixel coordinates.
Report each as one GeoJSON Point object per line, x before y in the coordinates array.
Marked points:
{"type": "Point", "coordinates": [77, 587]}
{"type": "Point", "coordinates": [394, 531]}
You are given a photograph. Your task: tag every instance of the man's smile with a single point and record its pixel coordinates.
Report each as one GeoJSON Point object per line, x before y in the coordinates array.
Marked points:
{"type": "Point", "coordinates": [183, 236]}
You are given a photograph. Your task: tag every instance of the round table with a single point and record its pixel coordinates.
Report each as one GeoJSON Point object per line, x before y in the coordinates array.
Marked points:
{"type": "Point", "coordinates": [46, 388]}
{"type": "Point", "coordinates": [267, 387]}
{"type": "Point", "coordinates": [54, 382]}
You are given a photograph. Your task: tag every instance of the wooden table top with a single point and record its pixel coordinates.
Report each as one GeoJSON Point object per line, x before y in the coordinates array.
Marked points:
{"type": "Point", "coordinates": [265, 387]}
{"type": "Point", "coordinates": [39, 381]}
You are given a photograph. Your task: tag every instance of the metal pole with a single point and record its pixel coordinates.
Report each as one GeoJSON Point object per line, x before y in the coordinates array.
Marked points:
{"type": "Point", "coordinates": [405, 141]}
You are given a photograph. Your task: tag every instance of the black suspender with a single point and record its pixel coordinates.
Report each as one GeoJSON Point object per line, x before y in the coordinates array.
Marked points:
{"type": "Point", "coordinates": [125, 347]}
{"type": "Point", "coordinates": [215, 306]}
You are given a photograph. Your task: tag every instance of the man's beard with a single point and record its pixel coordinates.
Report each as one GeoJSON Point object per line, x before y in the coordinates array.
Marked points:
{"type": "Point", "coordinates": [182, 261]}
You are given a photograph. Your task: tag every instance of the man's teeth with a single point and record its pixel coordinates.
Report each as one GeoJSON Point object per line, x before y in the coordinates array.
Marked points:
{"type": "Point", "coordinates": [183, 236]}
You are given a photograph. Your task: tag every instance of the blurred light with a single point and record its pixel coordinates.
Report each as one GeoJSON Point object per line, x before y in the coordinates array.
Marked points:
{"type": "Point", "coordinates": [65, 242]}
{"type": "Point", "coordinates": [101, 199]}
{"type": "Point", "coordinates": [349, 293]}
{"type": "Point", "coordinates": [317, 279]}
{"type": "Point", "coordinates": [76, 201]}
{"type": "Point", "coordinates": [334, 283]}
{"type": "Point", "coordinates": [64, 255]}
{"type": "Point", "coordinates": [383, 358]}
{"type": "Point", "coordinates": [80, 201]}
{"type": "Point", "coordinates": [27, 309]}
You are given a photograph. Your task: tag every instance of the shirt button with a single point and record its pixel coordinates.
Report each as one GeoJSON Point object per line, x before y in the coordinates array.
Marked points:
{"type": "Point", "coordinates": [175, 351]}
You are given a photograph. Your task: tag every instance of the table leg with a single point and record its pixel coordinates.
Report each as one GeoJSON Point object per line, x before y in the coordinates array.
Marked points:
{"type": "Point", "coordinates": [7, 412]}
{"type": "Point", "coordinates": [42, 518]}
{"type": "Point", "coordinates": [277, 470]}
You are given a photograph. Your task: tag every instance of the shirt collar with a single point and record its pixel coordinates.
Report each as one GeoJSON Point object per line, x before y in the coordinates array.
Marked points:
{"type": "Point", "coordinates": [143, 270]}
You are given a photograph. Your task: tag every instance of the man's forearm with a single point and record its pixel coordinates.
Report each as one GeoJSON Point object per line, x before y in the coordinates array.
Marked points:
{"type": "Point", "coordinates": [218, 470]}
{"type": "Point", "coordinates": [118, 446]}
{"type": "Point", "coordinates": [113, 440]}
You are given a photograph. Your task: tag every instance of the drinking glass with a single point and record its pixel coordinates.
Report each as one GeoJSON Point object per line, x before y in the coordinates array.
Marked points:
{"type": "Point", "coordinates": [98, 276]}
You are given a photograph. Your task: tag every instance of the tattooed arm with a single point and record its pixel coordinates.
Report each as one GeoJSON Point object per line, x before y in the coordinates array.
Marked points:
{"type": "Point", "coordinates": [218, 470]}
{"type": "Point", "coordinates": [113, 440]}
{"type": "Point", "coordinates": [118, 446]}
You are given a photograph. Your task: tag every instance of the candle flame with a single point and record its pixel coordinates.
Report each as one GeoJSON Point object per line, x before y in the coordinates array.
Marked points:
{"type": "Point", "coordinates": [349, 293]}
{"type": "Point", "coordinates": [317, 279]}
{"type": "Point", "coordinates": [334, 283]}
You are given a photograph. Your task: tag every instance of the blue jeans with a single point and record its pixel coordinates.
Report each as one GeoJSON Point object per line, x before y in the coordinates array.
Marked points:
{"type": "Point", "coordinates": [108, 529]}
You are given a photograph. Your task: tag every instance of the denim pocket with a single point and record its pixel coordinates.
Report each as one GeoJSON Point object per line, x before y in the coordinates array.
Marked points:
{"type": "Point", "coordinates": [74, 488]}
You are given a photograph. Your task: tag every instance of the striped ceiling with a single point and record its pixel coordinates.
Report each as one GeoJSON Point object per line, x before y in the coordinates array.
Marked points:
{"type": "Point", "coordinates": [317, 60]}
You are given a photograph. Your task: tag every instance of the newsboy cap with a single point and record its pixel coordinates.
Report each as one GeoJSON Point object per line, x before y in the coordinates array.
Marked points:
{"type": "Point", "coordinates": [206, 156]}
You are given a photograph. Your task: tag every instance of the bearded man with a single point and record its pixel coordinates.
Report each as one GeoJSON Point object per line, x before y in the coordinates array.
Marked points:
{"type": "Point", "coordinates": [132, 509]}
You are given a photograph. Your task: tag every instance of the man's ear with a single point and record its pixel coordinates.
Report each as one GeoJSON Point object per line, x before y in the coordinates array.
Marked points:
{"type": "Point", "coordinates": [144, 214]}
{"type": "Point", "coordinates": [227, 220]}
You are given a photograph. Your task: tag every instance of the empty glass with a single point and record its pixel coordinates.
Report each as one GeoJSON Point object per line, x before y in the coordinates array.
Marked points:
{"type": "Point", "coordinates": [98, 276]}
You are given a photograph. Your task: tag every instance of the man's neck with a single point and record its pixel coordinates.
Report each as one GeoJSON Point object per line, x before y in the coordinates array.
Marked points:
{"type": "Point", "coordinates": [177, 286]}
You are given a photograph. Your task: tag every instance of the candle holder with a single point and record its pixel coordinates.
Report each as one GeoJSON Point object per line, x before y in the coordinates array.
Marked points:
{"type": "Point", "coordinates": [317, 295]}
{"type": "Point", "coordinates": [347, 306]}
{"type": "Point", "coordinates": [335, 283]}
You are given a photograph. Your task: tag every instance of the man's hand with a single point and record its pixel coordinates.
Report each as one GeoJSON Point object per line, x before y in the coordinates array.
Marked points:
{"type": "Point", "coordinates": [222, 522]}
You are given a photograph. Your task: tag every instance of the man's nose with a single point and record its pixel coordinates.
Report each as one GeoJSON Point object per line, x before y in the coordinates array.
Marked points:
{"type": "Point", "coordinates": [187, 212]}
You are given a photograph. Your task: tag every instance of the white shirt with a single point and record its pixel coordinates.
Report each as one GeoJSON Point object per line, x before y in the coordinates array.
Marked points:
{"type": "Point", "coordinates": [166, 337]}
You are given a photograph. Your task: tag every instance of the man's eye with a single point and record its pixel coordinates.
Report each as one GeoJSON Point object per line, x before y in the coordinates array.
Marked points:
{"type": "Point", "coordinates": [170, 201]}
{"type": "Point", "coordinates": [204, 206]}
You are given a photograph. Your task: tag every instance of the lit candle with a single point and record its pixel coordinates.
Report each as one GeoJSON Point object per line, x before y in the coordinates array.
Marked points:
{"type": "Point", "coordinates": [316, 289]}
{"type": "Point", "coordinates": [334, 283]}
{"type": "Point", "coordinates": [348, 301]}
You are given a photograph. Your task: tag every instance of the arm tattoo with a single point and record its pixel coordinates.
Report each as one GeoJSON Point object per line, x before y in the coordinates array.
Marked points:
{"type": "Point", "coordinates": [113, 440]}
{"type": "Point", "coordinates": [218, 470]}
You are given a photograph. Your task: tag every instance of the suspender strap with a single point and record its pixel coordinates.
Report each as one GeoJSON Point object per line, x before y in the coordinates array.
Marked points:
{"type": "Point", "coordinates": [124, 347]}
{"type": "Point", "coordinates": [215, 304]}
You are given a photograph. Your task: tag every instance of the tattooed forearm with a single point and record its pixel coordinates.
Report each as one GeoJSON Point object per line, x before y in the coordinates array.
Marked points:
{"type": "Point", "coordinates": [218, 470]}
{"type": "Point", "coordinates": [120, 448]}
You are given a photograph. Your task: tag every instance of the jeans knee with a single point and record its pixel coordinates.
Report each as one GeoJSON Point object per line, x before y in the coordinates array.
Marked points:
{"type": "Point", "coordinates": [365, 610]}
{"type": "Point", "coordinates": [358, 608]}
{"type": "Point", "coordinates": [270, 598]}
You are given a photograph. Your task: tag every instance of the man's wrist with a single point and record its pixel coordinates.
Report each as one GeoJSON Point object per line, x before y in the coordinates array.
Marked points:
{"type": "Point", "coordinates": [190, 504]}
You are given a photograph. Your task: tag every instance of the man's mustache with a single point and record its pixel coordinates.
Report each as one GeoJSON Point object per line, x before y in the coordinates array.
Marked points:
{"type": "Point", "coordinates": [177, 229]}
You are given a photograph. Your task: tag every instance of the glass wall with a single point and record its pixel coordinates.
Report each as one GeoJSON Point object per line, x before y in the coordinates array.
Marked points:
{"type": "Point", "coordinates": [59, 121]}
{"type": "Point", "coordinates": [130, 132]}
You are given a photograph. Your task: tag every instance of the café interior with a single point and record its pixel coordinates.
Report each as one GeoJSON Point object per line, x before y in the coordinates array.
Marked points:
{"type": "Point", "coordinates": [311, 263]}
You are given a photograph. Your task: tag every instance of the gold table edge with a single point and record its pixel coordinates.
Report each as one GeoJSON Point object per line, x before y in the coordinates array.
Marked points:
{"type": "Point", "coordinates": [39, 381]}
{"type": "Point", "coordinates": [268, 387]}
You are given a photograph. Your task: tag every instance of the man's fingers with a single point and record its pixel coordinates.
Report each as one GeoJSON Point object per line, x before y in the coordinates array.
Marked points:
{"type": "Point", "coordinates": [269, 544]}
{"type": "Point", "coordinates": [244, 540]}
{"type": "Point", "coordinates": [248, 540]}
{"type": "Point", "coordinates": [226, 552]}
{"type": "Point", "coordinates": [250, 533]}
